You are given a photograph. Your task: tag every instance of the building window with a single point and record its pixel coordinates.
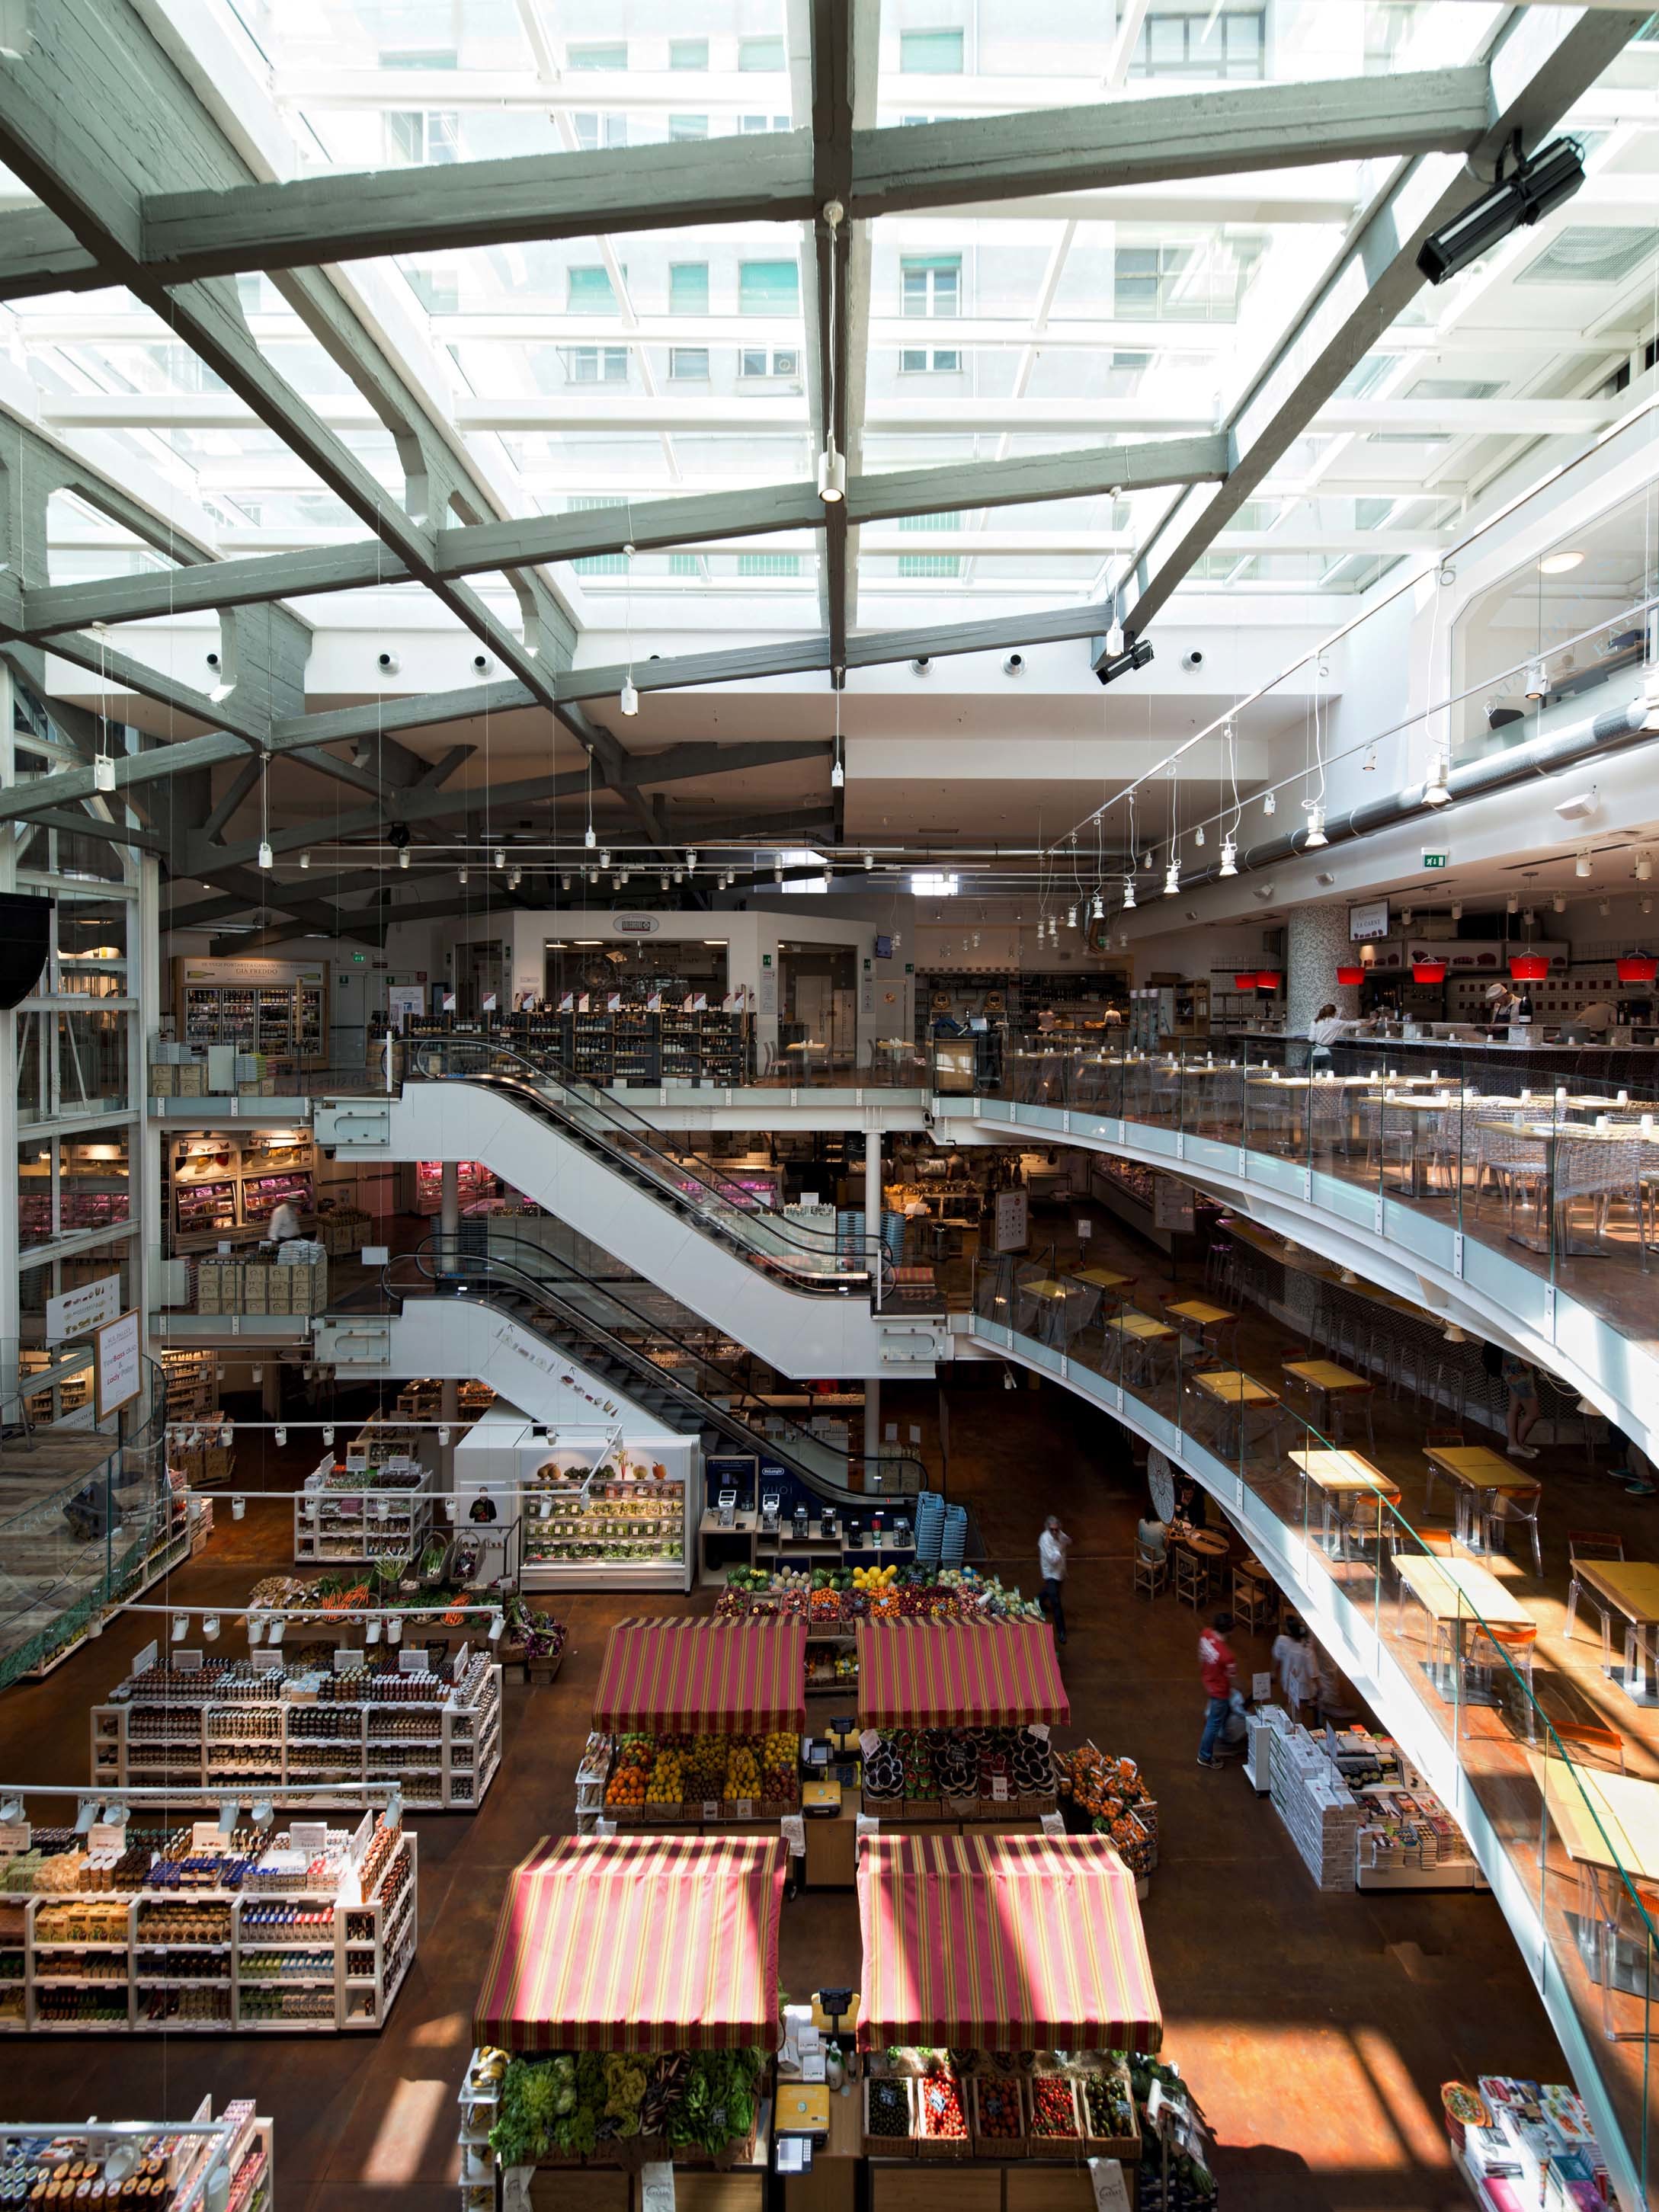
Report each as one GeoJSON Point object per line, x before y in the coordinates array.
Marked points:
{"type": "Point", "coordinates": [588, 291]}
{"type": "Point", "coordinates": [930, 53]}
{"type": "Point", "coordinates": [612, 57]}
{"type": "Point", "coordinates": [688, 126]}
{"type": "Point", "coordinates": [685, 564]}
{"type": "Point", "coordinates": [751, 123]}
{"type": "Point", "coordinates": [775, 360]}
{"type": "Point", "coordinates": [595, 364]}
{"type": "Point", "coordinates": [594, 131]}
{"type": "Point", "coordinates": [761, 54]}
{"type": "Point", "coordinates": [768, 287]}
{"type": "Point", "coordinates": [597, 564]}
{"type": "Point", "coordinates": [1389, 24]}
{"type": "Point", "coordinates": [930, 284]}
{"type": "Point", "coordinates": [769, 564]}
{"type": "Point", "coordinates": [936, 565]}
{"type": "Point", "coordinates": [420, 138]}
{"type": "Point", "coordinates": [910, 522]}
{"type": "Point", "coordinates": [688, 287]}
{"type": "Point", "coordinates": [1182, 283]}
{"type": "Point", "coordinates": [437, 288]}
{"type": "Point", "coordinates": [687, 364]}
{"type": "Point", "coordinates": [1194, 41]}
{"type": "Point", "coordinates": [688, 53]}
{"type": "Point", "coordinates": [915, 360]}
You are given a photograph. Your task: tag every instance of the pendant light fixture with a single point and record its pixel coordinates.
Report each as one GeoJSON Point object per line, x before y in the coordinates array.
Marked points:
{"type": "Point", "coordinates": [1128, 894]}
{"type": "Point", "coordinates": [832, 465]}
{"type": "Point", "coordinates": [837, 774]}
{"type": "Point", "coordinates": [1316, 828]}
{"type": "Point", "coordinates": [1114, 641]}
{"type": "Point", "coordinates": [1172, 879]}
{"type": "Point", "coordinates": [1435, 790]}
{"type": "Point", "coordinates": [629, 701]}
{"type": "Point", "coordinates": [1229, 857]}
{"type": "Point", "coordinates": [305, 860]}
{"type": "Point", "coordinates": [1270, 804]}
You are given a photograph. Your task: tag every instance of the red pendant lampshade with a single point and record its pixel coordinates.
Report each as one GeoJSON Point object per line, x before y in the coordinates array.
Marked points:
{"type": "Point", "coordinates": [1246, 981]}
{"type": "Point", "coordinates": [1428, 971]}
{"type": "Point", "coordinates": [1528, 967]}
{"type": "Point", "coordinates": [1637, 967]}
{"type": "Point", "coordinates": [1267, 979]}
{"type": "Point", "coordinates": [1346, 975]}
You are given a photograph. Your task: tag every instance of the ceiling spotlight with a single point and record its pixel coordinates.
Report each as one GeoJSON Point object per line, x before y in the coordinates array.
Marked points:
{"type": "Point", "coordinates": [869, 862]}
{"type": "Point", "coordinates": [829, 877]}
{"type": "Point", "coordinates": [1128, 894]}
{"type": "Point", "coordinates": [1560, 901]}
{"type": "Point", "coordinates": [210, 1627]}
{"type": "Point", "coordinates": [690, 864]}
{"type": "Point", "coordinates": [1537, 682]}
{"type": "Point", "coordinates": [403, 858]}
{"type": "Point", "coordinates": [1270, 804]}
{"type": "Point", "coordinates": [500, 857]}
{"type": "Point", "coordinates": [181, 1626]}
{"type": "Point", "coordinates": [282, 1434]}
{"type": "Point", "coordinates": [1511, 905]}
{"type": "Point", "coordinates": [1369, 764]}
{"type": "Point", "coordinates": [1406, 914]}
{"type": "Point", "coordinates": [305, 860]}
{"type": "Point", "coordinates": [623, 875]}
{"type": "Point", "coordinates": [630, 698]}
{"type": "Point", "coordinates": [1197, 835]}
{"type": "Point", "coordinates": [1097, 911]}
{"type": "Point", "coordinates": [267, 858]}
{"type": "Point", "coordinates": [514, 879]}
{"type": "Point", "coordinates": [832, 475]}
{"type": "Point", "coordinates": [1071, 917]}
{"type": "Point", "coordinates": [1114, 641]}
{"type": "Point", "coordinates": [589, 841]}
{"type": "Point", "coordinates": [1643, 869]}
{"type": "Point", "coordinates": [605, 860]}
{"type": "Point", "coordinates": [1014, 664]}
{"type": "Point", "coordinates": [1435, 790]}
{"type": "Point", "coordinates": [1581, 866]}
{"type": "Point", "coordinates": [1647, 906]}
{"type": "Point", "coordinates": [1172, 879]}
{"type": "Point", "coordinates": [461, 874]}
{"type": "Point", "coordinates": [837, 776]}
{"type": "Point", "coordinates": [564, 882]}
{"type": "Point", "coordinates": [1229, 857]}
{"type": "Point", "coordinates": [663, 879]}
{"type": "Point", "coordinates": [1604, 908]}
{"type": "Point", "coordinates": [1551, 175]}
{"type": "Point", "coordinates": [777, 867]}
{"type": "Point", "coordinates": [1457, 910]}
{"type": "Point", "coordinates": [1315, 827]}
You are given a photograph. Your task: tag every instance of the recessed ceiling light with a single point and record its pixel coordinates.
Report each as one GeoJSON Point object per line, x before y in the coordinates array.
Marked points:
{"type": "Point", "coordinates": [1558, 564]}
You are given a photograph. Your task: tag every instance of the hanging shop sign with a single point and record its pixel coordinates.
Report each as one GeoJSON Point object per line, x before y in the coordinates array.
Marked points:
{"type": "Point", "coordinates": [88, 1306]}
{"type": "Point", "coordinates": [1013, 1227]}
{"type": "Point", "coordinates": [118, 1364]}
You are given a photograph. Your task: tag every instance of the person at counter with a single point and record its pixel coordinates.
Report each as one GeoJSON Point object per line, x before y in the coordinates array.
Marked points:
{"type": "Point", "coordinates": [1599, 1016]}
{"type": "Point", "coordinates": [1325, 1027]}
{"type": "Point", "coordinates": [1503, 1005]}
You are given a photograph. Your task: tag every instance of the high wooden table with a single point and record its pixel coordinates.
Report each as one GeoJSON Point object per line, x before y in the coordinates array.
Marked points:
{"type": "Point", "coordinates": [1139, 1336]}
{"type": "Point", "coordinates": [1210, 1322]}
{"type": "Point", "coordinates": [1326, 1381]}
{"type": "Point", "coordinates": [1237, 1394]}
{"type": "Point", "coordinates": [1478, 1474]}
{"type": "Point", "coordinates": [1629, 1587]}
{"type": "Point", "coordinates": [1341, 1478]}
{"type": "Point", "coordinates": [1457, 1594]}
{"type": "Point", "coordinates": [1609, 1825]}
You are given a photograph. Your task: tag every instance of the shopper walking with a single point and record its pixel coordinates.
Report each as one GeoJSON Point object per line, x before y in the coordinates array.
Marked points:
{"type": "Point", "coordinates": [1520, 1383]}
{"type": "Point", "coordinates": [1052, 1545]}
{"type": "Point", "coordinates": [1218, 1670]}
{"type": "Point", "coordinates": [1297, 1663]}
{"type": "Point", "coordinates": [284, 1224]}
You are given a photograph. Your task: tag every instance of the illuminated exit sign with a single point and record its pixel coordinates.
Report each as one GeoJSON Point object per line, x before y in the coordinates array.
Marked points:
{"type": "Point", "coordinates": [1435, 860]}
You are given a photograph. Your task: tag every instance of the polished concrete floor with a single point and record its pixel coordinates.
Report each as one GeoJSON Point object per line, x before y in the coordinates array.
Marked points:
{"type": "Point", "coordinates": [1315, 2030]}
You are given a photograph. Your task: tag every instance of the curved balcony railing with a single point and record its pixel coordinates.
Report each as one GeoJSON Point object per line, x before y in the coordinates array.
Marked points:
{"type": "Point", "coordinates": [1449, 1644]}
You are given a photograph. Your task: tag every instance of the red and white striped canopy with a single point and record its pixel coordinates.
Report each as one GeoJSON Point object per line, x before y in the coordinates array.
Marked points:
{"type": "Point", "coordinates": [958, 1674]}
{"type": "Point", "coordinates": [736, 1675]}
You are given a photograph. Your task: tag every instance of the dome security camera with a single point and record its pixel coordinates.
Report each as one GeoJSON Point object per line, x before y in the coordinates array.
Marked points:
{"type": "Point", "coordinates": [1192, 658]}
{"type": "Point", "coordinates": [482, 663]}
{"type": "Point", "coordinates": [1014, 664]}
{"type": "Point", "coordinates": [387, 663]}
{"type": "Point", "coordinates": [921, 665]}
{"type": "Point", "coordinates": [212, 660]}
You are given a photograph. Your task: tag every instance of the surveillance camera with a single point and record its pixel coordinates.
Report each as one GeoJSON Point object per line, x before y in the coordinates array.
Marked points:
{"type": "Point", "coordinates": [920, 667]}
{"type": "Point", "coordinates": [1014, 664]}
{"type": "Point", "coordinates": [387, 663]}
{"type": "Point", "coordinates": [1192, 658]}
{"type": "Point", "coordinates": [481, 663]}
{"type": "Point", "coordinates": [328, 1152]}
{"type": "Point", "coordinates": [212, 660]}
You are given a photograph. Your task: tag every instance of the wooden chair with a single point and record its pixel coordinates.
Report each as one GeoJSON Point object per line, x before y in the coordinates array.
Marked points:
{"type": "Point", "coordinates": [1494, 1649]}
{"type": "Point", "coordinates": [1587, 1743]}
{"type": "Point", "coordinates": [1191, 1577]}
{"type": "Point", "coordinates": [1256, 1600]}
{"type": "Point", "coordinates": [1152, 1571]}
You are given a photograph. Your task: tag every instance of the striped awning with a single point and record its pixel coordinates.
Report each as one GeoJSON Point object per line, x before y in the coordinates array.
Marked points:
{"type": "Point", "coordinates": [1005, 1943]}
{"type": "Point", "coordinates": [637, 1943]}
{"type": "Point", "coordinates": [735, 1675]}
{"type": "Point", "coordinates": [958, 1674]}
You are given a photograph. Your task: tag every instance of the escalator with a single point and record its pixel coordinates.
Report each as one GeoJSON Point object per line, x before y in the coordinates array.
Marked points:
{"type": "Point", "coordinates": [591, 1323]}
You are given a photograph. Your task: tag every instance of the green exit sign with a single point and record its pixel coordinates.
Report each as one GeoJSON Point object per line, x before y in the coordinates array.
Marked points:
{"type": "Point", "coordinates": [1435, 860]}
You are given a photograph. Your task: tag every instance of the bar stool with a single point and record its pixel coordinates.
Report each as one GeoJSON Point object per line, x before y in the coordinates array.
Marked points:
{"type": "Point", "coordinates": [1191, 1577]}
{"type": "Point", "coordinates": [1256, 1600]}
{"type": "Point", "coordinates": [1152, 1571]}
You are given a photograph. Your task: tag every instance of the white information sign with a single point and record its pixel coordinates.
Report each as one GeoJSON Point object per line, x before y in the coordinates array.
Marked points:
{"type": "Point", "coordinates": [88, 1306]}
{"type": "Point", "coordinates": [1013, 1220]}
{"type": "Point", "coordinates": [308, 1835]}
{"type": "Point", "coordinates": [404, 1002]}
{"type": "Point", "coordinates": [118, 1364]}
{"type": "Point", "coordinates": [1111, 2192]}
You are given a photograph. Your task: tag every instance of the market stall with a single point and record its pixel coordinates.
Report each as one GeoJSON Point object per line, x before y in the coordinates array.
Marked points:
{"type": "Point", "coordinates": [697, 1722]}
{"type": "Point", "coordinates": [641, 1973]}
{"type": "Point", "coordinates": [182, 2165]}
{"type": "Point", "coordinates": [1005, 1984]}
{"type": "Point", "coordinates": [959, 1711]}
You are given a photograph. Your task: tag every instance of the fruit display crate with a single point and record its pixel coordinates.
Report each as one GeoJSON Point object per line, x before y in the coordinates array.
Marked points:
{"type": "Point", "coordinates": [341, 1972]}
{"type": "Point", "coordinates": [442, 1751]}
{"type": "Point", "coordinates": [356, 1520]}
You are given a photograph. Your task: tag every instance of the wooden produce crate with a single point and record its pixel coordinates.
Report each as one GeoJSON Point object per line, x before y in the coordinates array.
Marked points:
{"type": "Point", "coordinates": [1125, 2147]}
{"type": "Point", "coordinates": [1069, 2148]}
{"type": "Point", "coordinates": [943, 2147]}
{"type": "Point", "coordinates": [903, 2146]}
{"type": "Point", "coordinates": [1009, 2147]}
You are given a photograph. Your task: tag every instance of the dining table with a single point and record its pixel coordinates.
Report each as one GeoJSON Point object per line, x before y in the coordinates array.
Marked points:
{"type": "Point", "coordinates": [1479, 1475]}
{"type": "Point", "coordinates": [1629, 1587]}
{"type": "Point", "coordinates": [1609, 1825]}
{"type": "Point", "coordinates": [1207, 1320]}
{"type": "Point", "coordinates": [1237, 1394]}
{"type": "Point", "coordinates": [1458, 1594]}
{"type": "Point", "coordinates": [1329, 1383]}
{"type": "Point", "coordinates": [1342, 1478]}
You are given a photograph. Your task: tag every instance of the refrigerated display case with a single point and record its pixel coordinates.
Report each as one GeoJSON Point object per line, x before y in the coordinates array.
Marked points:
{"type": "Point", "coordinates": [278, 1007]}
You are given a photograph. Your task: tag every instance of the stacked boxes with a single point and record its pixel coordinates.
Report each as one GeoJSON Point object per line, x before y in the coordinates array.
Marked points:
{"type": "Point", "coordinates": [1316, 1806]}
{"type": "Point", "coordinates": [199, 1453]}
{"type": "Point", "coordinates": [228, 1284]}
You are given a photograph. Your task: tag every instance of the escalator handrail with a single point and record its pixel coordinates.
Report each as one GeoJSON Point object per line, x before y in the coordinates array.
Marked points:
{"type": "Point", "coordinates": [633, 1125]}
{"type": "Point", "coordinates": [485, 1267]}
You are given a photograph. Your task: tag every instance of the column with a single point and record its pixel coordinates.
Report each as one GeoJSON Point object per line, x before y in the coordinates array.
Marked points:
{"type": "Point", "coordinates": [449, 1213]}
{"type": "Point", "coordinates": [871, 1430]}
{"type": "Point", "coordinates": [872, 1207]}
{"type": "Point", "coordinates": [1316, 942]}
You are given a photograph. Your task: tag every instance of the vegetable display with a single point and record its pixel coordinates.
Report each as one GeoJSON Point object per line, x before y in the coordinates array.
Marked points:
{"type": "Point", "coordinates": [833, 1596]}
{"type": "Point", "coordinates": [574, 2103]}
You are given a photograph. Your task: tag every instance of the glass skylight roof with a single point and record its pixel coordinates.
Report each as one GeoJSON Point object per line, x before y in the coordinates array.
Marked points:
{"type": "Point", "coordinates": [601, 370]}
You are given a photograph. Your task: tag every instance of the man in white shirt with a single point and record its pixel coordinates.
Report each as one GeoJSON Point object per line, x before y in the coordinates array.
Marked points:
{"type": "Point", "coordinates": [1599, 1015]}
{"type": "Point", "coordinates": [1052, 1545]}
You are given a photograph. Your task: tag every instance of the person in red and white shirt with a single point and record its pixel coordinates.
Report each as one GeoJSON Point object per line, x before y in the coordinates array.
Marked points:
{"type": "Point", "coordinates": [1217, 1669]}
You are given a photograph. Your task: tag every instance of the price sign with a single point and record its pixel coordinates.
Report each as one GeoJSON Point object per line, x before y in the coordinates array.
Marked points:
{"type": "Point", "coordinates": [105, 1836]}
{"type": "Point", "coordinates": [1054, 1823]}
{"type": "Point", "coordinates": [745, 1808]}
{"type": "Point", "coordinates": [414, 1662]}
{"type": "Point", "coordinates": [187, 1662]}
{"type": "Point", "coordinates": [1040, 1730]}
{"type": "Point", "coordinates": [793, 1826]}
{"type": "Point", "coordinates": [999, 1787]}
{"type": "Point", "coordinates": [869, 1742]}
{"type": "Point", "coordinates": [1261, 1688]}
{"type": "Point", "coordinates": [347, 1662]}
{"type": "Point", "coordinates": [657, 2185]}
{"type": "Point", "coordinates": [1111, 2192]}
{"type": "Point", "coordinates": [14, 1839]}
{"type": "Point", "coordinates": [308, 1835]}
{"type": "Point", "coordinates": [711, 1808]}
